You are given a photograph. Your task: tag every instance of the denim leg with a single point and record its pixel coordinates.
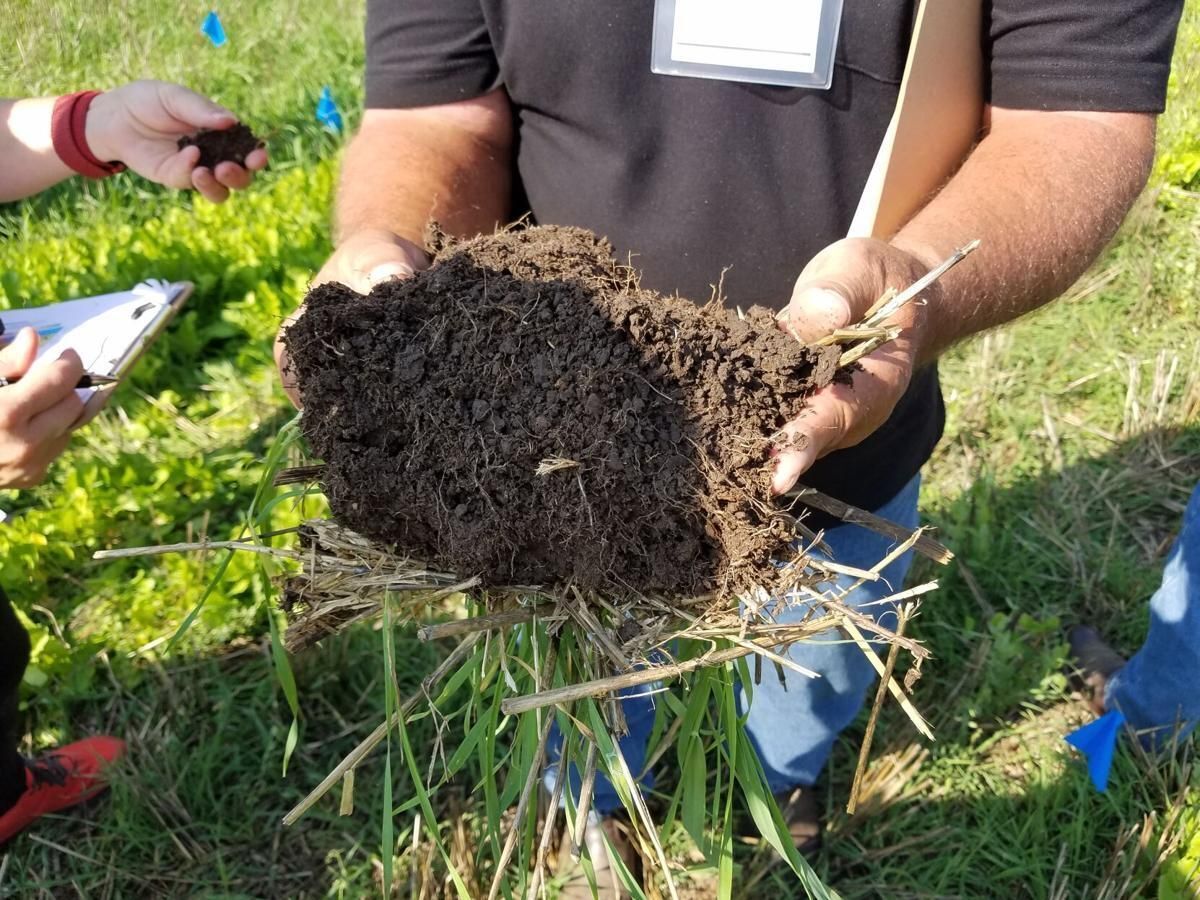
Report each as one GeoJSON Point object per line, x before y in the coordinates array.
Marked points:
{"type": "Point", "coordinates": [794, 723]}
{"type": "Point", "coordinates": [1159, 688]}
{"type": "Point", "coordinates": [638, 706]}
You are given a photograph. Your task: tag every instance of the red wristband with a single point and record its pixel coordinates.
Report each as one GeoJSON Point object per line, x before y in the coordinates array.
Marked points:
{"type": "Point", "coordinates": [67, 132]}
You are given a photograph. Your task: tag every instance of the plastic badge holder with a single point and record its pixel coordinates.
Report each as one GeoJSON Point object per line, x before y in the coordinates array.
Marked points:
{"type": "Point", "coordinates": [703, 49]}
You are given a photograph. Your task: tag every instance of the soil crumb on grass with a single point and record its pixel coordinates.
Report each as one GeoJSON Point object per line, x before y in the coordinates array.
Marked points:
{"type": "Point", "coordinates": [525, 412]}
{"type": "Point", "coordinates": [231, 144]}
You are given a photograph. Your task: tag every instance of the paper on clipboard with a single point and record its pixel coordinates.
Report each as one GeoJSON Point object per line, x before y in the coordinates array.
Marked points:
{"type": "Point", "coordinates": [109, 331]}
{"type": "Point", "coordinates": [937, 118]}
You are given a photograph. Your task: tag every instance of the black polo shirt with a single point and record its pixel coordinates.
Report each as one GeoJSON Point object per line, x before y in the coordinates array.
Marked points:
{"type": "Point", "coordinates": [699, 177]}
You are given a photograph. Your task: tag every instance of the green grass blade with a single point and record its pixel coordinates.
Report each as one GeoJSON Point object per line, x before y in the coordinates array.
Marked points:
{"type": "Point", "coordinates": [288, 435]}
{"type": "Point", "coordinates": [768, 819]}
{"type": "Point", "coordinates": [287, 681]}
{"type": "Point", "coordinates": [724, 843]}
{"type": "Point", "coordinates": [622, 779]}
{"type": "Point", "coordinates": [387, 842]}
{"type": "Point", "coordinates": [390, 704]}
{"type": "Point", "coordinates": [464, 750]}
{"type": "Point", "coordinates": [487, 770]}
{"type": "Point", "coordinates": [428, 817]}
{"type": "Point", "coordinates": [693, 787]}
{"type": "Point", "coordinates": [198, 606]}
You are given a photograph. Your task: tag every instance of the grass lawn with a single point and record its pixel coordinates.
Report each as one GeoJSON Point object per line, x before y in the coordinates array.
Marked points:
{"type": "Point", "coordinates": [1071, 447]}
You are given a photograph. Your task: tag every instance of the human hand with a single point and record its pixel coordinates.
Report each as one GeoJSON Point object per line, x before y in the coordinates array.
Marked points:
{"type": "Point", "coordinates": [360, 262]}
{"type": "Point", "coordinates": [140, 124]}
{"type": "Point", "coordinates": [835, 290]}
{"type": "Point", "coordinates": [38, 413]}
{"type": "Point", "coordinates": [370, 256]}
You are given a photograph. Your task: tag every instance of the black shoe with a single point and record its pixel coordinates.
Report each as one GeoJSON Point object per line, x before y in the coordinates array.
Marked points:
{"type": "Point", "coordinates": [1095, 661]}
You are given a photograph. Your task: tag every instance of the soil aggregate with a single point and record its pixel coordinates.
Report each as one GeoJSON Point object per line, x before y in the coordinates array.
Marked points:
{"type": "Point", "coordinates": [231, 144]}
{"type": "Point", "coordinates": [524, 412]}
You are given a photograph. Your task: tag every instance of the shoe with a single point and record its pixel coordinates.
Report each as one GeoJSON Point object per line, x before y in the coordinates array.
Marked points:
{"type": "Point", "coordinates": [61, 778]}
{"type": "Point", "coordinates": [803, 819]}
{"type": "Point", "coordinates": [1095, 661]}
{"type": "Point", "coordinates": [574, 881]}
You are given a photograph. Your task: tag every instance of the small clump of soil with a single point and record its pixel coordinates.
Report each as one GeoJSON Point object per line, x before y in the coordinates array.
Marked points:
{"type": "Point", "coordinates": [523, 411]}
{"type": "Point", "coordinates": [231, 144]}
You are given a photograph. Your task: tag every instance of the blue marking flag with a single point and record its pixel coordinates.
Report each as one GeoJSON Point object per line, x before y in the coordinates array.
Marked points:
{"type": "Point", "coordinates": [213, 29]}
{"type": "Point", "coordinates": [327, 112]}
{"type": "Point", "coordinates": [1097, 741]}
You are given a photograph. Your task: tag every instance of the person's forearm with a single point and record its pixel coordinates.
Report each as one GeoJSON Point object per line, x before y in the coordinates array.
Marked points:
{"type": "Point", "coordinates": [30, 163]}
{"type": "Point", "coordinates": [405, 167]}
{"type": "Point", "coordinates": [1044, 192]}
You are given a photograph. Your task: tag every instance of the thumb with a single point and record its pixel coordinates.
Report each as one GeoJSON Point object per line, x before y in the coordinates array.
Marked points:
{"type": "Point", "coordinates": [193, 110]}
{"type": "Point", "coordinates": [17, 357]}
{"type": "Point", "coordinates": [835, 289]}
{"type": "Point", "coordinates": [386, 272]}
{"type": "Point", "coordinates": [818, 308]}
{"type": "Point", "coordinates": [379, 260]}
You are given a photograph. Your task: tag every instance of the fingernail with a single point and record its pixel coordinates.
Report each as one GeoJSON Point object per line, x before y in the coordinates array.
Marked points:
{"type": "Point", "coordinates": [388, 271]}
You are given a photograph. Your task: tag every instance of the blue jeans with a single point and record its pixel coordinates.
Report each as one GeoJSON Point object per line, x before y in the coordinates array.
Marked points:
{"type": "Point", "coordinates": [1159, 688]}
{"type": "Point", "coordinates": [792, 728]}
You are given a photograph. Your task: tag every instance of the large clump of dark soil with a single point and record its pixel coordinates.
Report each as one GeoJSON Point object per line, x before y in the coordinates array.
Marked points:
{"type": "Point", "coordinates": [524, 412]}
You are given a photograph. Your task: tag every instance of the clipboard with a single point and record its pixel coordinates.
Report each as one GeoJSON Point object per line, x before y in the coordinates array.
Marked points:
{"type": "Point", "coordinates": [110, 332]}
{"type": "Point", "coordinates": [937, 120]}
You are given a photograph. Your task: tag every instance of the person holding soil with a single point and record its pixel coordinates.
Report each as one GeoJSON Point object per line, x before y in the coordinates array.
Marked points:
{"type": "Point", "coordinates": [43, 142]}
{"type": "Point", "coordinates": [478, 111]}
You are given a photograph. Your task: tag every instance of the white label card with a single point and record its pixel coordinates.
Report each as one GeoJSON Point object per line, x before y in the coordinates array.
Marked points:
{"type": "Point", "coordinates": [790, 43]}
{"type": "Point", "coordinates": [776, 35]}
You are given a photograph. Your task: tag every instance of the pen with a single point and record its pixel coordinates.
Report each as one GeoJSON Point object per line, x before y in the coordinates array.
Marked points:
{"type": "Point", "coordinates": [11, 328]}
{"type": "Point", "coordinates": [8, 335]}
{"type": "Point", "coordinates": [89, 380]}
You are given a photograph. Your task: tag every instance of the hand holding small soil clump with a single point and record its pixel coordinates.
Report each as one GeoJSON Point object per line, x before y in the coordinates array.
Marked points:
{"type": "Point", "coordinates": [523, 411]}
{"type": "Point", "coordinates": [231, 144]}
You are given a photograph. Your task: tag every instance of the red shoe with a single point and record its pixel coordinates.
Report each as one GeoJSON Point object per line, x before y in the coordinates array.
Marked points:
{"type": "Point", "coordinates": [61, 778]}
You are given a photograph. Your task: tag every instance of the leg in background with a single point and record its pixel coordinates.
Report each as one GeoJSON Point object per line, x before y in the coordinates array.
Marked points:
{"type": "Point", "coordinates": [638, 708]}
{"type": "Point", "coordinates": [794, 722]}
{"type": "Point", "coordinates": [1158, 690]}
{"type": "Point", "coordinates": [14, 657]}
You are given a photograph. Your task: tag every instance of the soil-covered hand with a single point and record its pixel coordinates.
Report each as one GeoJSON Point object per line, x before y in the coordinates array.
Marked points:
{"type": "Point", "coordinates": [834, 291]}
{"type": "Point", "coordinates": [38, 413]}
{"type": "Point", "coordinates": [140, 124]}
{"type": "Point", "coordinates": [360, 262]}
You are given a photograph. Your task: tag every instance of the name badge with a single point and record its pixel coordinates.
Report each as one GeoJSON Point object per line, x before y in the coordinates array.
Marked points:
{"type": "Point", "coordinates": [784, 42]}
